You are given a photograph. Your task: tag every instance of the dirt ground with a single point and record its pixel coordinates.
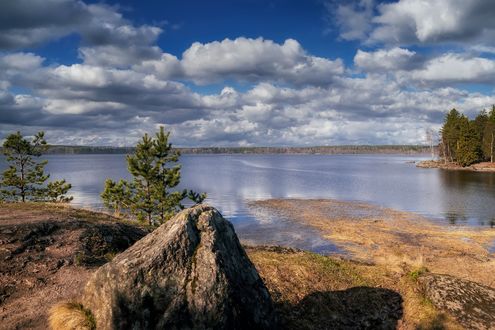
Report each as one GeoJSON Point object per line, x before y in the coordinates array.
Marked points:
{"type": "Point", "coordinates": [47, 253]}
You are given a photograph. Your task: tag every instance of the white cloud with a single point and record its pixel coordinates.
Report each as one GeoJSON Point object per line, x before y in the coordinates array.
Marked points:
{"type": "Point", "coordinates": [455, 68]}
{"type": "Point", "coordinates": [246, 59]}
{"type": "Point", "coordinates": [406, 22]}
{"type": "Point", "coordinates": [352, 18]}
{"type": "Point", "coordinates": [418, 21]}
{"type": "Point", "coordinates": [127, 85]}
{"type": "Point", "coordinates": [21, 61]}
{"type": "Point", "coordinates": [386, 59]}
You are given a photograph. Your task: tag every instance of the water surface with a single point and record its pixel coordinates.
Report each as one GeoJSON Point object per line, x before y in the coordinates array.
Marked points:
{"type": "Point", "coordinates": [449, 197]}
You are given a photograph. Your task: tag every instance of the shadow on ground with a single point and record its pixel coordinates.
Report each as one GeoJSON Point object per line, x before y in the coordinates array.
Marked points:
{"type": "Point", "coordinates": [354, 308]}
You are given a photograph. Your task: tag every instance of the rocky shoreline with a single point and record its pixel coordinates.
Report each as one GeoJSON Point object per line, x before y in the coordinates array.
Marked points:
{"type": "Point", "coordinates": [479, 167]}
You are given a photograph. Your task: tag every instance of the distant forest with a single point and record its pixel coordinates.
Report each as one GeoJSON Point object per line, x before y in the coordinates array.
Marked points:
{"type": "Point", "coordinates": [328, 150]}
{"type": "Point", "coordinates": [465, 141]}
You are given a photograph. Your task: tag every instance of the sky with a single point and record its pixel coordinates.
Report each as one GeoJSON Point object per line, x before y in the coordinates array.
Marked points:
{"type": "Point", "coordinates": [243, 72]}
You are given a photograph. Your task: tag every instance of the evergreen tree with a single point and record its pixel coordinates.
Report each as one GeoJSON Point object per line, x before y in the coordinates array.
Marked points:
{"type": "Point", "coordinates": [144, 169]}
{"type": "Point", "coordinates": [24, 179]}
{"type": "Point", "coordinates": [488, 144]}
{"type": "Point", "coordinates": [151, 195]}
{"type": "Point", "coordinates": [450, 134]}
{"type": "Point", "coordinates": [479, 125]}
{"type": "Point", "coordinates": [468, 149]}
{"type": "Point", "coordinates": [117, 195]}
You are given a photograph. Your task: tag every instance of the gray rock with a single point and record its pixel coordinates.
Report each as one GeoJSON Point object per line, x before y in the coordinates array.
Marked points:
{"type": "Point", "coordinates": [472, 304]}
{"type": "Point", "coordinates": [190, 273]}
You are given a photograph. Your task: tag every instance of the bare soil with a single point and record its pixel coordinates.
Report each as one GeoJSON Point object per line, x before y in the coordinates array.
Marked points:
{"type": "Point", "coordinates": [47, 253]}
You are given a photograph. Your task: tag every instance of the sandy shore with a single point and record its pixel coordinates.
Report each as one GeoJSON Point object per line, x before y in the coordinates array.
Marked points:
{"type": "Point", "coordinates": [400, 241]}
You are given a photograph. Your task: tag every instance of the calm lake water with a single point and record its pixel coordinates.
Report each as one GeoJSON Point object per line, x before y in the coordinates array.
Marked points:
{"type": "Point", "coordinates": [449, 197]}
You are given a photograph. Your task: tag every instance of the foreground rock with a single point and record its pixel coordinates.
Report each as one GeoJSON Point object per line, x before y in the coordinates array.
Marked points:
{"type": "Point", "coordinates": [190, 273]}
{"type": "Point", "coordinates": [472, 304]}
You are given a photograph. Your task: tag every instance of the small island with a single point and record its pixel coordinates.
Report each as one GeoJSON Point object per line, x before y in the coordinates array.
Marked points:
{"type": "Point", "coordinates": [466, 144]}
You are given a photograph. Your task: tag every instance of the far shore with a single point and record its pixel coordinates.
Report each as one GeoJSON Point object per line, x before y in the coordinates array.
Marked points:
{"type": "Point", "coordinates": [478, 167]}
{"type": "Point", "coordinates": [309, 150]}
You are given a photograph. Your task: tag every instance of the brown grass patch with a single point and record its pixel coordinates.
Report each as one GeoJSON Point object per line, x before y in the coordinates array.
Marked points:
{"type": "Point", "coordinates": [314, 292]}
{"type": "Point", "coordinates": [71, 316]}
{"type": "Point", "coordinates": [400, 241]}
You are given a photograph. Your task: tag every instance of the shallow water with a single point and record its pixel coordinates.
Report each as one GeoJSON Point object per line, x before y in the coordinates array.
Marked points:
{"type": "Point", "coordinates": [449, 197]}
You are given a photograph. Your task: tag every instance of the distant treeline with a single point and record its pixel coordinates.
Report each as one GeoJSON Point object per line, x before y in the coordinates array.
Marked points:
{"type": "Point", "coordinates": [465, 141]}
{"type": "Point", "coordinates": [328, 150]}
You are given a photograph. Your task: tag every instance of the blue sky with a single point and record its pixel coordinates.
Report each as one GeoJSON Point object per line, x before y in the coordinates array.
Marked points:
{"type": "Point", "coordinates": [244, 72]}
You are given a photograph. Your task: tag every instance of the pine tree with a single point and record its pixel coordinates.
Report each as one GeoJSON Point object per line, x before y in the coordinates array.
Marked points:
{"type": "Point", "coordinates": [144, 169]}
{"type": "Point", "coordinates": [117, 195]}
{"type": "Point", "coordinates": [489, 136]}
{"type": "Point", "coordinates": [468, 149]}
{"type": "Point", "coordinates": [150, 196]}
{"type": "Point", "coordinates": [24, 179]}
{"type": "Point", "coordinates": [450, 134]}
{"type": "Point", "coordinates": [168, 177]}
{"type": "Point", "coordinates": [479, 125]}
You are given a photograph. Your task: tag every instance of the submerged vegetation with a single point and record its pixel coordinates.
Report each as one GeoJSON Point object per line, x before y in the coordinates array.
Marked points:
{"type": "Point", "coordinates": [150, 196]}
{"type": "Point", "coordinates": [465, 141]}
{"type": "Point", "coordinates": [25, 178]}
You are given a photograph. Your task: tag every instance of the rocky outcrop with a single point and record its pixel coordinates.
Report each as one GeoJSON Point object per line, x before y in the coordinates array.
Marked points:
{"type": "Point", "coordinates": [189, 273]}
{"type": "Point", "coordinates": [472, 304]}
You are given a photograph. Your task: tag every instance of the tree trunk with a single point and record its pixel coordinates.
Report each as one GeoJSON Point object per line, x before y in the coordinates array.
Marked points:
{"type": "Point", "coordinates": [23, 188]}
{"type": "Point", "coordinates": [491, 149]}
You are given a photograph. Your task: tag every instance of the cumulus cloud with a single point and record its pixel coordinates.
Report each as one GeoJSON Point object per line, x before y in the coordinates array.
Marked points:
{"type": "Point", "coordinates": [456, 68]}
{"type": "Point", "coordinates": [353, 18]}
{"type": "Point", "coordinates": [126, 85]}
{"type": "Point", "coordinates": [384, 60]}
{"type": "Point", "coordinates": [109, 103]}
{"type": "Point", "coordinates": [412, 21]}
{"type": "Point", "coordinates": [24, 23]}
{"type": "Point", "coordinates": [406, 22]}
{"type": "Point", "coordinates": [108, 38]}
{"type": "Point", "coordinates": [246, 59]}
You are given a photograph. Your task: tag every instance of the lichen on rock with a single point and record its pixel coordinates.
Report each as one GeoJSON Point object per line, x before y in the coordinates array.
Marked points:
{"type": "Point", "coordinates": [472, 304]}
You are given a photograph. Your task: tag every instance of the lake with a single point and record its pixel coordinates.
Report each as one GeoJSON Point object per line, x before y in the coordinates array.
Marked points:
{"type": "Point", "coordinates": [449, 197]}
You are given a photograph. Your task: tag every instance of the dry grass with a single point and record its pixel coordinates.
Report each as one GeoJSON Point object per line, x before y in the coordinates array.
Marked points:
{"type": "Point", "coordinates": [293, 276]}
{"type": "Point", "coordinates": [393, 247]}
{"type": "Point", "coordinates": [400, 241]}
{"type": "Point", "coordinates": [71, 316]}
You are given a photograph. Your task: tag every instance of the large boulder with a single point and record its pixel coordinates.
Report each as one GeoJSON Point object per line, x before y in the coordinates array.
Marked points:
{"type": "Point", "coordinates": [472, 304]}
{"type": "Point", "coordinates": [190, 273]}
